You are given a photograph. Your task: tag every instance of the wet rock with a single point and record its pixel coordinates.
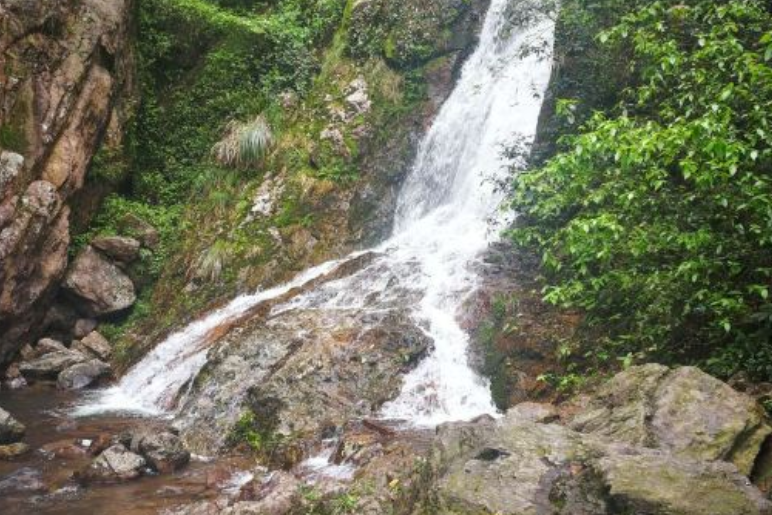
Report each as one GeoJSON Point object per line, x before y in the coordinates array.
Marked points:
{"type": "Point", "coordinates": [49, 345]}
{"type": "Point", "coordinates": [199, 508]}
{"type": "Point", "coordinates": [65, 449]}
{"type": "Point", "coordinates": [50, 365]}
{"type": "Point", "coordinates": [164, 451]}
{"type": "Point", "coordinates": [99, 444]}
{"type": "Point", "coordinates": [14, 450]}
{"type": "Point", "coordinates": [96, 345]}
{"type": "Point", "coordinates": [116, 463]}
{"type": "Point", "coordinates": [82, 375]}
{"type": "Point", "coordinates": [684, 411]}
{"type": "Point", "coordinates": [83, 327]}
{"type": "Point", "coordinates": [277, 494]}
{"type": "Point", "coordinates": [11, 430]}
{"type": "Point", "coordinates": [25, 479]}
{"type": "Point", "coordinates": [293, 368]}
{"type": "Point", "coordinates": [102, 287]}
{"type": "Point", "coordinates": [119, 248]}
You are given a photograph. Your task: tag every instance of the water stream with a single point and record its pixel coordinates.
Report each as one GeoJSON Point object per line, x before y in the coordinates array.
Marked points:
{"type": "Point", "coordinates": [448, 212]}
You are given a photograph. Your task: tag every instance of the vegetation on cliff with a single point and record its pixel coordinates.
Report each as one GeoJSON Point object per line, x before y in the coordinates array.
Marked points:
{"type": "Point", "coordinates": [654, 214]}
{"type": "Point", "coordinates": [237, 207]}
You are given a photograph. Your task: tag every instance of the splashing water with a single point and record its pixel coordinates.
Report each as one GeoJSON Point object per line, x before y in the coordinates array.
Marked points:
{"type": "Point", "coordinates": [447, 215]}
{"type": "Point", "coordinates": [151, 386]}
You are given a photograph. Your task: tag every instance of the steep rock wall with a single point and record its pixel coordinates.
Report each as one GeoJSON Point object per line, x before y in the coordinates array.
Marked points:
{"type": "Point", "coordinates": [65, 70]}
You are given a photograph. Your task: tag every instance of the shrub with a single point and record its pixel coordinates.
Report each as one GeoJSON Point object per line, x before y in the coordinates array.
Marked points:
{"type": "Point", "coordinates": [656, 217]}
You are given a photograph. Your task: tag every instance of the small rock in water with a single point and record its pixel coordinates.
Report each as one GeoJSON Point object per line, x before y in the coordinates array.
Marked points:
{"type": "Point", "coordinates": [164, 451]}
{"type": "Point", "coordinates": [82, 375]}
{"type": "Point", "coordinates": [14, 450]}
{"type": "Point", "coordinates": [11, 430]}
{"type": "Point", "coordinates": [25, 479]}
{"type": "Point", "coordinates": [67, 449]}
{"type": "Point", "coordinates": [116, 463]}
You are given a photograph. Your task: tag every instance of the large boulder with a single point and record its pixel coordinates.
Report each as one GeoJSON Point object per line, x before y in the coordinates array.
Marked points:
{"type": "Point", "coordinates": [11, 430]}
{"type": "Point", "coordinates": [515, 466]}
{"type": "Point", "coordinates": [116, 463]}
{"type": "Point", "coordinates": [119, 248]}
{"type": "Point", "coordinates": [164, 451]}
{"type": "Point", "coordinates": [683, 411]}
{"type": "Point", "coordinates": [102, 286]}
{"type": "Point", "coordinates": [82, 375]}
{"type": "Point", "coordinates": [50, 365]}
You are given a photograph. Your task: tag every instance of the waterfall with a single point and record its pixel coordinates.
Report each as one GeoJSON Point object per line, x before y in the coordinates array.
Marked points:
{"type": "Point", "coordinates": [448, 212]}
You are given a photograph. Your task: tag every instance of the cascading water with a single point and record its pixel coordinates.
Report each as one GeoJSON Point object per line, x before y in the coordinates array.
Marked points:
{"type": "Point", "coordinates": [447, 215]}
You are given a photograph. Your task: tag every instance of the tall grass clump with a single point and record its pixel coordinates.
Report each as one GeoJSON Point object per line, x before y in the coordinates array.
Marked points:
{"type": "Point", "coordinates": [243, 144]}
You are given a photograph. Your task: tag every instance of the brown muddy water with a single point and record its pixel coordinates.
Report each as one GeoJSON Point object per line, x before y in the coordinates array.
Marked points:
{"type": "Point", "coordinates": [41, 481]}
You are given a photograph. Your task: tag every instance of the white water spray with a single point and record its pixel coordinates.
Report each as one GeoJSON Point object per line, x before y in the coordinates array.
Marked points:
{"type": "Point", "coordinates": [447, 215]}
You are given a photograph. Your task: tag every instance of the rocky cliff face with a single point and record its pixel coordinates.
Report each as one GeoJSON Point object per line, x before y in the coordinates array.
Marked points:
{"type": "Point", "coordinates": [65, 71]}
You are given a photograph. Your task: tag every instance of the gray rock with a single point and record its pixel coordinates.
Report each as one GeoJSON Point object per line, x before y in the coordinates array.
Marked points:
{"type": "Point", "coordinates": [97, 345]}
{"type": "Point", "coordinates": [82, 375]}
{"type": "Point", "coordinates": [120, 248]}
{"type": "Point", "coordinates": [50, 365]}
{"type": "Point", "coordinates": [164, 451]}
{"type": "Point", "coordinates": [653, 482]}
{"type": "Point", "coordinates": [10, 166]}
{"type": "Point", "coordinates": [102, 286]}
{"type": "Point", "coordinates": [684, 411]}
{"type": "Point", "coordinates": [116, 463]}
{"type": "Point", "coordinates": [83, 327]}
{"type": "Point", "coordinates": [515, 466]}
{"type": "Point", "coordinates": [11, 430]}
{"type": "Point", "coordinates": [25, 479]}
{"type": "Point", "coordinates": [49, 345]}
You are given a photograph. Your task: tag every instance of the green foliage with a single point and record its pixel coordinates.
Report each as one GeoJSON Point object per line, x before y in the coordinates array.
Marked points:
{"type": "Point", "coordinates": [656, 217]}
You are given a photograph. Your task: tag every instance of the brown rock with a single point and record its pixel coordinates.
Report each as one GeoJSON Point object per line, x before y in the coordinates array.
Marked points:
{"type": "Point", "coordinates": [14, 450]}
{"type": "Point", "coordinates": [99, 284]}
{"type": "Point", "coordinates": [96, 345]}
{"type": "Point", "coordinates": [119, 248]}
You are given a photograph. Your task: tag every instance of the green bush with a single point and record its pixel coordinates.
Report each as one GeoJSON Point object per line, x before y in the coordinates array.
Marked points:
{"type": "Point", "coordinates": [656, 217]}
